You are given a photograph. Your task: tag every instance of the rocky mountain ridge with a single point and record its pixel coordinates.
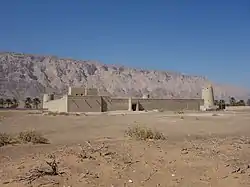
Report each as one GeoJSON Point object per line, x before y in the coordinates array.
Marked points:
{"type": "Point", "coordinates": [23, 75]}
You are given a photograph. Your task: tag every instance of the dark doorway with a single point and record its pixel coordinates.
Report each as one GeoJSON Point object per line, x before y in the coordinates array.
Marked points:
{"type": "Point", "coordinates": [134, 107]}
{"type": "Point", "coordinates": [104, 105]}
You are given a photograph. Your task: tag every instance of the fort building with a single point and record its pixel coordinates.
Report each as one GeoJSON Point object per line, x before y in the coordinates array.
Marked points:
{"type": "Point", "coordinates": [89, 100]}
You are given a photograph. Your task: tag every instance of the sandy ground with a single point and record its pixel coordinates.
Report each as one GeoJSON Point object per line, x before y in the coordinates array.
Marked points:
{"type": "Point", "coordinates": [201, 149]}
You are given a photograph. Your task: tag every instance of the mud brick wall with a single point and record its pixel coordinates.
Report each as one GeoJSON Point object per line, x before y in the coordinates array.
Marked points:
{"type": "Point", "coordinates": [85, 104]}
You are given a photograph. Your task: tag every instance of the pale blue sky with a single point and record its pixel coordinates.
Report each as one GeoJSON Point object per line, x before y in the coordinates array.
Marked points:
{"type": "Point", "coordinates": [201, 37]}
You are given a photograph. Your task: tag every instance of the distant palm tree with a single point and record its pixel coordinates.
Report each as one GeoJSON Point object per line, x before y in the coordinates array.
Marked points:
{"type": "Point", "coordinates": [28, 102]}
{"type": "Point", "coordinates": [222, 104]}
{"type": "Point", "coordinates": [36, 101]}
{"type": "Point", "coordinates": [241, 103]}
{"type": "Point", "coordinates": [232, 101]}
{"type": "Point", "coordinates": [2, 103]}
{"type": "Point", "coordinates": [216, 102]}
{"type": "Point", "coordinates": [15, 103]}
{"type": "Point", "coordinates": [9, 102]}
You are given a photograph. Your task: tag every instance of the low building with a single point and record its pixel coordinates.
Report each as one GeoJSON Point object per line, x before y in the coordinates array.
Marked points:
{"type": "Point", "coordinates": [88, 100]}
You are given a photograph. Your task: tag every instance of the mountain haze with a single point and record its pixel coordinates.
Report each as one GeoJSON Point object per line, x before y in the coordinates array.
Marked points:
{"type": "Point", "coordinates": [23, 75]}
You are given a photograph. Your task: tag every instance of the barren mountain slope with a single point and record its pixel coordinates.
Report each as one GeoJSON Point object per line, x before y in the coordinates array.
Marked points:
{"type": "Point", "coordinates": [24, 75]}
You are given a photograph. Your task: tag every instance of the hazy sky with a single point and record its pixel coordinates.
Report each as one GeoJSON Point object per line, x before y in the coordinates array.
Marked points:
{"type": "Point", "coordinates": [201, 37]}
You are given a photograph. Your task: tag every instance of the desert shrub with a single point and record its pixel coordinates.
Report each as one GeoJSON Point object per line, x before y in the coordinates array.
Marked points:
{"type": "Point", "coordinates": [63, 113]}
{"type": "Point", "coordinates": [6, 139]}
{"type": "Point", "coordinates": [33, 137]}
{"type": "Point", "coordinates": [143, 133]}
{"type": "Point", "coordinates": [22, 137]}
{"type": "Point", "coordinates": [35, 112]}
{"type": "Point", "coordinates": [161, 110]}
{"type": "Point", "coordinates": [180, 112]}
{"type": "Point", "coordinates": [50, 113]}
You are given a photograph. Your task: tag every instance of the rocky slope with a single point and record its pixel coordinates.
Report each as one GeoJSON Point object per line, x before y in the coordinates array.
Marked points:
{"type": "Point", "coordinates": [23, 75]}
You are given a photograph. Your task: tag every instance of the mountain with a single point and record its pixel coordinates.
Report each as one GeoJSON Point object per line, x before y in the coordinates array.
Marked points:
{"type": "Point", "coordinates": [23, 75]}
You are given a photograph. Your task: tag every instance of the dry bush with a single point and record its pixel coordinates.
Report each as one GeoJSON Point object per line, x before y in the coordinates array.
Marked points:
{"type": "Point", "coordinates": [90, 152]}
{"type": "Point", "coordinates": [179, 112]}
{"type": "Point", "coordinates": [22, 137]}
{"type": "Point", "coordinates": [50, 113]}
{"type": "Point", "coordinates": [143, 133]}
{"type": "Point", "coordinates": [37, 173]}
{"type": "Point", "coordinates": [33, 137]}
{"type": "Point", "coordinates": [35, 112]}
{"type": "Point", "coordinates": [63, 113]}
{"type": "Point", "coordinates": [161, 110]}
{"type": "Point", "coordinates": [6, 139]}
{"type": "Point", "coordinates": [53, 165]}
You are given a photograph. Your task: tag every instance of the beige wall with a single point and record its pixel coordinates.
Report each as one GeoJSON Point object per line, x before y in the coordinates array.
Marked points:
{"type": "Point", "coordinates": [58, 105]}
{"type": "Point", "coordinates": [170, 104]}
{"type": "Point", "coordinates": [102, 104]}
{"type": "Point", "coordinates": [117, 104]}
{"type": "Point", "coordinates": [85, 104]}
{"type": "Point", "coordinates": [82, 91]}
{"type": "Point", "coordinates": [91, 91]}
{"type": "Point", "coordinates": [151, 104]}
{"type": "Point", "coordinates": [76, 91]}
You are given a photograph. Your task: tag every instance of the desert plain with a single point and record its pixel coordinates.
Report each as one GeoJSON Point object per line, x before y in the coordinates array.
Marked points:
{"type": "Point", "coordinates": [199, 150]}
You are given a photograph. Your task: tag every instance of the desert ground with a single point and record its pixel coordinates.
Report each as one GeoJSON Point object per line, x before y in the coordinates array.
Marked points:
{"type": "Point", "coordinates": [199, 149]}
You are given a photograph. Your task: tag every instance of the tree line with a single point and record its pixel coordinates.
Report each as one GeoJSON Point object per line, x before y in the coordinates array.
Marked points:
{"type": "Point", "coordinates": [14, 103]}
{"type": "Point", "coordinates": [232, 102]}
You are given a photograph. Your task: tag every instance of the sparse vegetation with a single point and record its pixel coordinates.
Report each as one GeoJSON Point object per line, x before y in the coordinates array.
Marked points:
{"type": "Point", "coordinates": [36, 102]}
{"type": "Point", "coordinates": [63, 113]}
{"type": "Point", "coordinates": [37, 173]}
{"type": "Point", "coordinates": [33, 137]}
{"type": "Point", "coordinates": [28, 102]}
{"type": "Point", "coordinates": [234, 102]}
{"type": "Point", "coordinates": [6, 139]}
{"type": "Point", "coordinates": [8, 102]}
{"type": "Point", "coordinates": [23, 137]}
{"type": "Point", "coordinates": [180, 112]}
{"type": "Point", "coordinates": [15, 103]}
{"type": "Point", "coordinates": [161, 110]}
{"type": "Point", "coordinates": [2, 103]}
{"type": "Point", "coordinates": [50, 113]}
{"type": "Point", "coordinates": [241, 103]}
{"type": "Point", "coordinates": [143, 133]}
{"type": "Point", "coordinates": [221, 104]}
